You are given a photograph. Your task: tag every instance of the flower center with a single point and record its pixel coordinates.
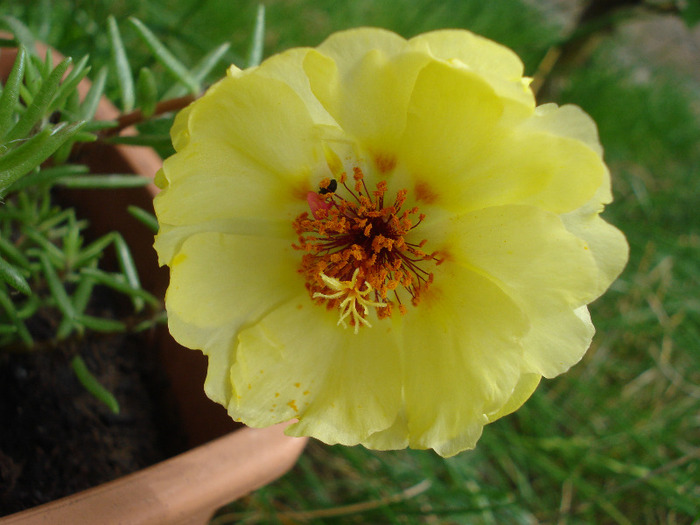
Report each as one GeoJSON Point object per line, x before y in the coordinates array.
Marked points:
{"type": "Point", "coordinates": [356, 255]}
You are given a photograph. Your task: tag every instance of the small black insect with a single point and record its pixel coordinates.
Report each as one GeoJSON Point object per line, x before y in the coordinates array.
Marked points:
{"type": "Point", "coordinates": [332, 186]}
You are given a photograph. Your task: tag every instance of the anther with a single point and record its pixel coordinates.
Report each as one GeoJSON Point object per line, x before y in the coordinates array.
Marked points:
{"type": "Point", "coordinates": [355, 249]}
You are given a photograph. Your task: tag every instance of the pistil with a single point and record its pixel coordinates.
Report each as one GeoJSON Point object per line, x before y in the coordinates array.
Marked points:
{"type": "Point", "coordinates": [349, 294]}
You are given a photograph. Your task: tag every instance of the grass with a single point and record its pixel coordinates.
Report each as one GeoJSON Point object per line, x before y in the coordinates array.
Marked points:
{"type": "Point", "coordinates": [615, 440]}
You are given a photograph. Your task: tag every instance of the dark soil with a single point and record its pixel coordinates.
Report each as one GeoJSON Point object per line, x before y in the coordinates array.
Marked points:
{"type": "Point", "coordinates": [56, 439]}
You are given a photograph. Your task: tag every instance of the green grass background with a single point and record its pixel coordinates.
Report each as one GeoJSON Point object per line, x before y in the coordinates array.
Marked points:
{"type": "Point", "coordinates": [615, 440]}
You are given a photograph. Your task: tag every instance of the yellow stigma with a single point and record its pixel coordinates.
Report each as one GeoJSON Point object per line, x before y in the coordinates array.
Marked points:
{"type": "Point", "coordinates": [352, 295]}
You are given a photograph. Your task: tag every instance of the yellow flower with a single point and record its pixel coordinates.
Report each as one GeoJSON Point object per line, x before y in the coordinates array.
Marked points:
{"type": "Point", "coordinates": [384, 240]}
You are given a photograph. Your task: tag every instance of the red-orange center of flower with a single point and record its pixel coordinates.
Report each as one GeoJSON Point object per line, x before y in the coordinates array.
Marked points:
{"type": "Point", "coordinates": [356, 251]}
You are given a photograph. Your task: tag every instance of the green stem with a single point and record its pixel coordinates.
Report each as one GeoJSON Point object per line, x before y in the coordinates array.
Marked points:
{"type": "Point", "coordinates": [136, 117]}
{"type": "Point", "coordinates": [92, 385]}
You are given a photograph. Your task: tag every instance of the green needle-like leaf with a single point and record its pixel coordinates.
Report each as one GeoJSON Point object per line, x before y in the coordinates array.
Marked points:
{"type": "Point", "coordinates": [121, 64]}
{"type": "Point", "coordinates": [14, 277]}
{"type": "Point", "coordinates": [161, 318]}
{"type": "Point", "coordinates": [69, 84]}
{"type": "Point", "coordinates": [93, 250]}
{"type": "Point", "coordinates": [165, 57]}
{"type": "Point", "coordinates": [147, 219]}
{"type": "Point", "coordinates": [40, 103]}
{"type": "Point", "coordinates": [6, 329]}
{"type": "Point", "coordinates": [56, 258]}
{"type": "Point", "coordinates": [92, 99]}
{"type": "Point", "coordinates": [209, 62]}
{"type": "Point", "coordinates": [44, 24]}
{"type": "Point", "coordinates": [58, 292]}
{"type": "Point", "coordinates": [66, 327]}
{"type": "Point", "coordinates": [256, 46]}
{"type": "Point", "coordinates": [72, 104]}
{"type": "Point", "coordinates": [101, 325]}
{"type": "Point", "coordinates": [47, 65]}
{"type": "Point", "coordinates": [52, 222]}
{"type": "Point", "coordinates": [47, 176]}
{"type": "Point", "coordinates": [147, 92]}
{"type": "Point", "coordinates": [32, 78]}
{"type": "Point", "coordinates": [92, 385]}
{"type": "Point", "coordinates": [82, 294]}
{"type": "Point", "coordinates": [84, 136]}
{"type": "Point", "coordinates": [200, 70]}
{"type": "Point", "coordinates": [13, 253]}
{"type": "Point", "coordinates": [107, 182]}
{"type": "Point", "coordinates": [30, 307]}
{"type": "Point", "coordinates": [7, 305]}
{"type": "Point", "coordinates": [22, 33]}
{"type": "Point", "coordinates": [128, 267]}
{"type": "Point", "coordinates": [119, 284]}
{"type": "Point", "coordinates": [97, 125]}
{"type": "Point", "coordinates": [32, 153]}
{"type": "Point", "coordinates": [126, 261]}
{"type": "Point", "coordinates": [25, 94]}
{"type": "Point", "coordinates": [71, 240]}
{"type": "Point", "coordinates": [10, 93]}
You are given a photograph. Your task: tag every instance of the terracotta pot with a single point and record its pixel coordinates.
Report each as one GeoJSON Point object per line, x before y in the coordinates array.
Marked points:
{"type": "Point", "coordinates": [188, 488]}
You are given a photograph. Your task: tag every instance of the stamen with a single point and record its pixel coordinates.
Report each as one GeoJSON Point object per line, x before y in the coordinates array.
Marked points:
{"type": "Point", "coordinates": [355, 248]}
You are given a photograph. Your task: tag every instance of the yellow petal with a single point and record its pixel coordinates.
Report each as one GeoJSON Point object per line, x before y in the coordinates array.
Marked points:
{"type": "Point", "coordinates": [452, 118]}
{"type": "Point", "coordinates": [546, 270]}
{"type": "Point", "coordinates": [523, 390]}
{"type": "Point", "coordinates": [527, 250]}
{"type": "Point", "coordinates": [297, 363]}
{"type": "Point", "coordinates": [170, 238]}
{"type": "Point", "coordinates": [220, 181]}
{"type": "Point", "coordinates": [393, 438]}
{"type": "Point", "coordinates": [566, 121]}
{"type": "Point", "coordinates": [461, 359]}
{"type": "Point", "coordinates": [370, 100]}
{"type": "Point", "coordinates": [206, 188]}
{"type": "Point", "coordinates": [207, 195]}
{"type": "Point", "coordinates": [558, 336]}
{"type": "Point", "coordinates": [500, 66]}
{"type": "Point", "coordinates": [554, 173]}
{"type": "Point", "coordinates": [180, 133]}
{"type": "Point", "coordinates": [243, 113]}
{"type": "Point", "coordinates": [349, 47]}
{"type": "Point", "coordinates": [288, 67]}
{"type": "Point", "coordinates": [606, 243]}
{"type": "Point", "coordinates": [458, 150]}
{"type": "Point", "coordinates": [219, 283]}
